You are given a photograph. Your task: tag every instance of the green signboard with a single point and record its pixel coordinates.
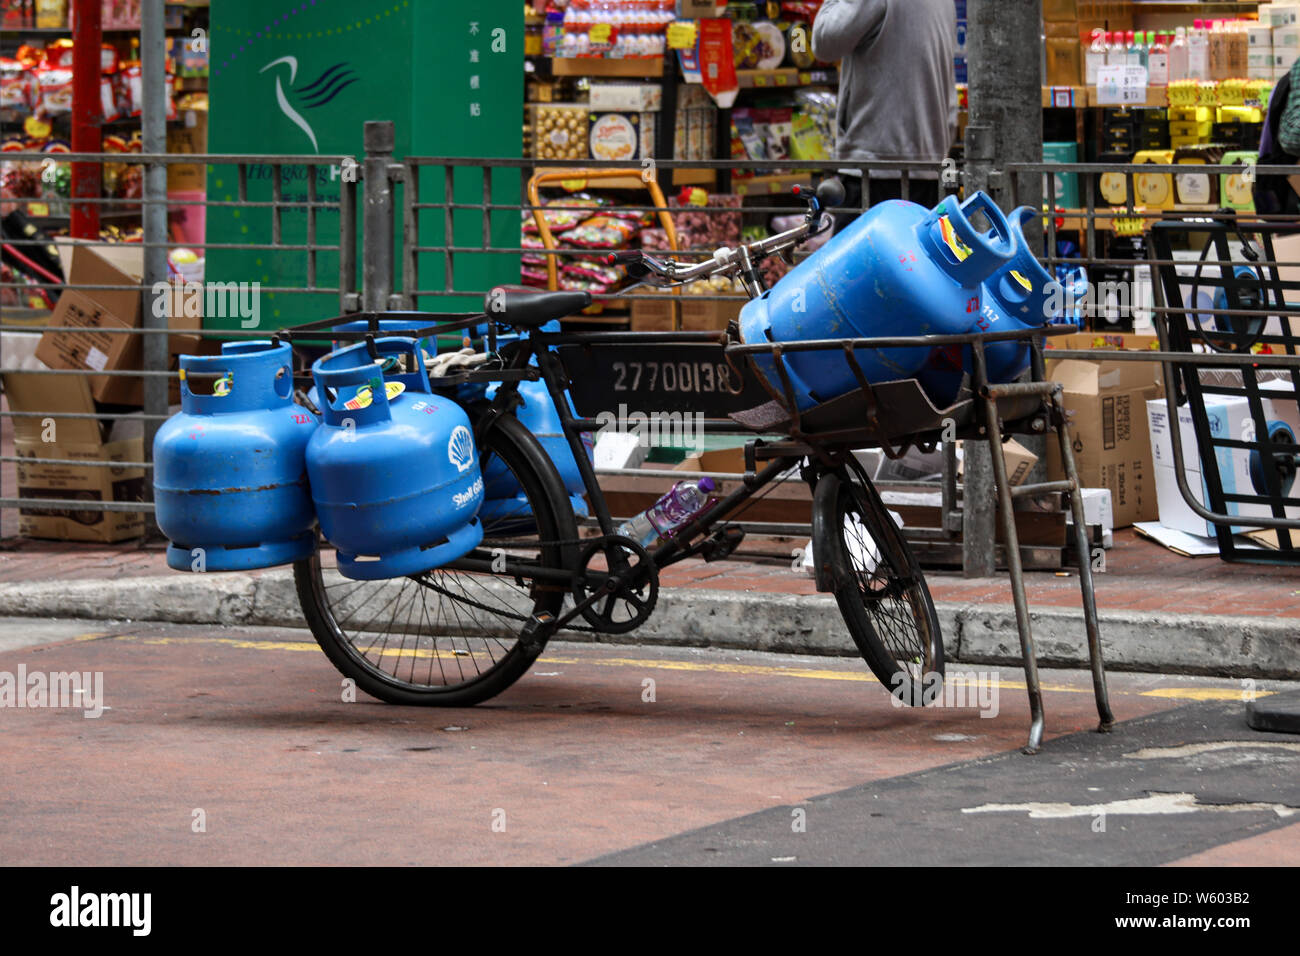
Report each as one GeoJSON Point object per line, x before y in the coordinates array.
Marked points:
{"type": "Point", "coordinates": [302, 78]}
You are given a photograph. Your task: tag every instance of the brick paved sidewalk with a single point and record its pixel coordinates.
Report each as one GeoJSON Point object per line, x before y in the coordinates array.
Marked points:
{"type": "Point", "coordinates": [1141, 576]}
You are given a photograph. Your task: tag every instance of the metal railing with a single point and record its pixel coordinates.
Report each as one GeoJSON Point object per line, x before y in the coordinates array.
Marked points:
{"type": "Point", "coordinates": [457, 213]}
{"type": "Point", "coordinates": [313, 257]}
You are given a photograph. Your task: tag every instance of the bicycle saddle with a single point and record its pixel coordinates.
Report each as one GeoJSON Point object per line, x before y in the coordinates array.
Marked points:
{"type": "Point", "coordinates": [526, 308]}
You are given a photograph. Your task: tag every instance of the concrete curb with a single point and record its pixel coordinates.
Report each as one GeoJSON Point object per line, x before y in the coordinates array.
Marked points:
{"type": "Point", "coordinates": [1216, 645]}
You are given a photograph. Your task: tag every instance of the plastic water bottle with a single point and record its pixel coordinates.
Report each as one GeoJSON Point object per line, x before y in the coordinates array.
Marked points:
{"type": "Point", "coordinates": [684, 501]}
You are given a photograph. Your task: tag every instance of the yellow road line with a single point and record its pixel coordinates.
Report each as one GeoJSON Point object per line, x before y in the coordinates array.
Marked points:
{"type": "Point", "coordinates": [720, 667]}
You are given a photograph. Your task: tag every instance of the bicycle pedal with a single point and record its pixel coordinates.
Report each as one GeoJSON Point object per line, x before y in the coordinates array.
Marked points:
{"type": "Point", "coordinates": [721, 545]}
{"type": "Point", "coordinates": [536, 630]}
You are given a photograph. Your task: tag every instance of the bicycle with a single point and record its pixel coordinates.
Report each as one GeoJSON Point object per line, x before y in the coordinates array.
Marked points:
{"type": "Point", "coordinates": [464, 632]}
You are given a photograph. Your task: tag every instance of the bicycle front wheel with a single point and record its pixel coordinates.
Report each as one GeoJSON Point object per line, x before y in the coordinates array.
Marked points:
{"type": "Point", "coordinates": [881, 592]}
{"type": "Point", "coordinates": [450, 637]}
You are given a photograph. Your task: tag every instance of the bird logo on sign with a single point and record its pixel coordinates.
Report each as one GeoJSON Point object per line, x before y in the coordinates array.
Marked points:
{"type": "Point", "coordinates": [313, 95]}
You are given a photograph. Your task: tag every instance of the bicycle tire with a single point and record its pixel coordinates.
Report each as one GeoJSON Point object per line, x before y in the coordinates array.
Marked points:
{"type": "Point", "coordinates": [887, 608]}
{"type": "Point", "coordinates": [454, 634]}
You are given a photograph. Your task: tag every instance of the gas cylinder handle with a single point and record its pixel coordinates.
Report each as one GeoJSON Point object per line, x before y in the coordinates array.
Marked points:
{"type": "Point", "coordinates": [333, 409]}
{"type": "Point", "coordinates": [999, 228]}
{"type": "Point", "coordinates": [253, 367]}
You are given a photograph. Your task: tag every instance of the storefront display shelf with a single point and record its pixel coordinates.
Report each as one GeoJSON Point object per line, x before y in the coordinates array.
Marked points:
{"type": "Point", "coordinates": [637, 67]}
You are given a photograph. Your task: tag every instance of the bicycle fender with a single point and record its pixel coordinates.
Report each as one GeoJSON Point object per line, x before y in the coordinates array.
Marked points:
{"type": "Point", "coordinates": [828, 573]}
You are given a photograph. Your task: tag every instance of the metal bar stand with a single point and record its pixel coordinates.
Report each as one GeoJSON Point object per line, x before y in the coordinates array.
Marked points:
{"type": "Point", "coordinates": [993, 429]}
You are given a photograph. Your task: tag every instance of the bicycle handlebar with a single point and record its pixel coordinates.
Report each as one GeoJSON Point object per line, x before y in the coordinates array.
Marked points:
{"type": "Point", "coordinates": [730, 262]}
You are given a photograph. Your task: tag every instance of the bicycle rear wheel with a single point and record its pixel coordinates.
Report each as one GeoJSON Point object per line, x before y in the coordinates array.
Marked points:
{"type": "Point", "coordinates": [881, 592]}
{"type": "Point", "coordinates": [450, 637]}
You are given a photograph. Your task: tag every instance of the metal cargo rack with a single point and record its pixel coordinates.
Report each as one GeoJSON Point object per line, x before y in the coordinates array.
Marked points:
{"type": "Point", "coordinates": [1245, 344]}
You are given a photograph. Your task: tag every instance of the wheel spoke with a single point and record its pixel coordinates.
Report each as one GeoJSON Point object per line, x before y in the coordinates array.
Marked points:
{"type": "Point", "coordinates": [438, 636]}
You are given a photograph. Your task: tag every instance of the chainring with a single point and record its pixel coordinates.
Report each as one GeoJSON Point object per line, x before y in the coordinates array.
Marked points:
{"type": "Point", "coordinates": [637, 592]}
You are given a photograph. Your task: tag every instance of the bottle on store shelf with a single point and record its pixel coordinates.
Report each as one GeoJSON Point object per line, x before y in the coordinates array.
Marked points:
{"type": "Point", "coordinates": [683, 502]}
{"type": "Point", "coordinates": [1238, 49]}
{"type": "Point", "coordinates": [1133, 55]}
{"type": "Point", "coordinates": [1158, 61]}
{"type": "Point", "coordinates": [1117, 55]}
{"type": "Point", "coordinates": [1217, 46]}
{"type": "Point", "coordinates": [1095, 58]}
{"type": "Point", "coordinates": [1178, 56]}
{"type": "Point", "coordinates": [1198, 52]}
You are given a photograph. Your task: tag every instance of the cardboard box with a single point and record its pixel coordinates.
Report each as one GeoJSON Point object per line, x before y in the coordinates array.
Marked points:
{"type": "Point", "coordinates": [1067, 184]}
{"type": "Point", "coordinates": [690, 9]}
{"type": "Point", "coordinates": [654, 315]}
{"type": "Point", "coordinates": [1064, 61]}
{"type": "Point", "coordinates": [1056, 11]}
{"type": "Point", "coordinates": [190, 137]}
{"type": "Point", "coordinates": [626, 97]}
{"type": "Point", "coordinates": [1020, 461]}
{"type": "Point", "coordinates": [80, 483]}
{"type": "Point", "coordinates": [1229, 417]}
{"type": "Point", "coordinates": [719, 461]}
{"type": "Point", "coordinates": [71, 440]}
{"type": "Point", "coordinates": [708, 315]}
{"type": "Point", "coordinates": [53, 394]}
{"type": "Point", "coordinates": [112, 264]}
{"type": "Point", "coordinates": [92, 312]}
{"type": "Point", "coordinates": [1108, 430]}
{"type": "Point", "coordinates": [92, 346]}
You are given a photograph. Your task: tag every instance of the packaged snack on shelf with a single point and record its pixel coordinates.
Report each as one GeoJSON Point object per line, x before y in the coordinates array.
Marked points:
{"type": "Point", "coordinates": [55, 85]}
{"type": "Point", "coordinates": [559, 130]}
{"type": "Point", "coordinates": [602, 232]}
{"type": "Point", "coordinates": [625, 97]}
{"type": "Point", "coordinates": [568, 212]}
{"type": "Point", "coordinates": [700, 229]}
{"type": "Point", "coordinates": [17, 86]}
{"type": "Point", "coordinates": [51, 14]}
{"type": "Point", "coordinates": [533, 275]}
{"type": "Point", "coordinates": [621, 136]}
{"type": "Point", "coordinates": [593, 271]}
{"type": "Point", "coordinates": [527, 241]}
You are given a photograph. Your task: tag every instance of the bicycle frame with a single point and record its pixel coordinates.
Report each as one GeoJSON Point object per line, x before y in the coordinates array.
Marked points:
{"type": "Point", "coordinates": [551, 371]}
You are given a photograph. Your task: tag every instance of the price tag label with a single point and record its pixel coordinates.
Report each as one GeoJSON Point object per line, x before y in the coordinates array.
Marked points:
{"type": "Point", "coordinates": [601, 33]}
{"type": "Point", "coordinates": [782, 79]}
{"type": "Point", "coordinates": [1127, 225]}
{"type": "Point", "coordinates": [1183, 93]}
{"type": "Point", "coordinates": [1209, 94]}
{"type": "Point", "coordinates": [681, 35]}
{"type": "Point", "coordinates": [1232, 93]}
{"type": "Point", "coordinates": [1121, 85]}
{"type": "Point", "coordinates": [760, 79]}
{"type": "Point", "coordinates": [573, 185]}
{"type": "Point", "coordinates": [1062, 97]}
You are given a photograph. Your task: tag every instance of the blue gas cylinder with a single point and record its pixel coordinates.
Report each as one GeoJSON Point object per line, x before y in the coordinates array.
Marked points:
{"type": "Point", "coordinates": [230, 476]}
{"type": "Point", "coordinates": [898, 270]}
{"type": "Point", "coordinates": [537, 412]}
{"type": "Point", "coordinates": [1020, 295]}
{"type": "Point", "coordinates": [394, 470]}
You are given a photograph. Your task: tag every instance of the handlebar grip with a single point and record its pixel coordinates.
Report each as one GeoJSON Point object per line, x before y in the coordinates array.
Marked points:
{"type": "Point", "coordinates": [622, 256]}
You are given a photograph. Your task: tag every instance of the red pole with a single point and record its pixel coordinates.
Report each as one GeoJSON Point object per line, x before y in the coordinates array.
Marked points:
{"type": "Point", "coordinates": [87, 116]}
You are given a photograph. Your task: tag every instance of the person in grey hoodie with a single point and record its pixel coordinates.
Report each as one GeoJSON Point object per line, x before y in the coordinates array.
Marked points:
{"type": "Point", "coordinates": [898, 95]}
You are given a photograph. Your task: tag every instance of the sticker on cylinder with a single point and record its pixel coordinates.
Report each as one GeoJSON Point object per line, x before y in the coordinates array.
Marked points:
{"type": "Point", "coordinates": [365, 395]}
{"type": "Point", "coordinates": [953, 241]}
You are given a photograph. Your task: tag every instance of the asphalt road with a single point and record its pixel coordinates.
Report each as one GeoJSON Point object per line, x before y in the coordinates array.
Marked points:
{"type": "Point", "coordinates": [234, 746]}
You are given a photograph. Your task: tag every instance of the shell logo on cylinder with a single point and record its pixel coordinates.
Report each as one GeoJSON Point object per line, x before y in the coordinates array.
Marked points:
{"type": "Point", "coordinates": [460, 450]}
